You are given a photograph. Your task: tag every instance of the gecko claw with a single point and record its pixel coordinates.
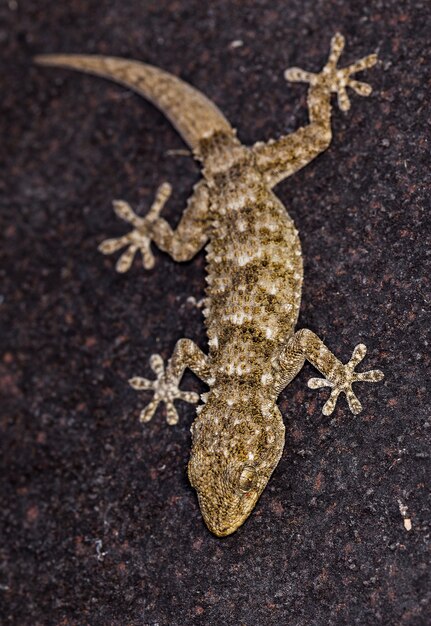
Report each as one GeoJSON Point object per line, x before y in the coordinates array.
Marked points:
{"type": "Point", "coordinates": [140, 237]}
{"type": "Point", "coordinates": [165, 389]}
{"type": "Point", "coordinates": [343, 383]}
{"type": "Point", "coordinates": [334, 79]}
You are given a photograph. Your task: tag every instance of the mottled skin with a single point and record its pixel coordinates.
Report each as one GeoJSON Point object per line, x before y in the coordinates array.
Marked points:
{"type": "Point", "coordinates": [254, 276]}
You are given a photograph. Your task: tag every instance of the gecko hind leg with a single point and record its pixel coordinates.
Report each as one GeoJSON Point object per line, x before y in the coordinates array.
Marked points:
{"type": "Point", "coordinates": [181, 244]}
{"type": "Point", "coordinates": [166, 385]}
{"type": "Point", "coordinates": [334, 79]}
{"type": "Point", "coordinates": [281, 158]}
{"type": "Point", "coordinates": [339, 376]}
{"type": "Point", "coordinates": [139, 238]}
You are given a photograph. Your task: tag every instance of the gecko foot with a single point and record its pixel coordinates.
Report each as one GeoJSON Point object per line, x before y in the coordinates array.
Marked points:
{"type": "Point", "coordinates": [334, 79]}
{"type": "Point", "coordinates": [165, 388]}
{"type": "Point", "coordinates": [343, 381]}
{"type": "Point", "coordinates": [140, 237]}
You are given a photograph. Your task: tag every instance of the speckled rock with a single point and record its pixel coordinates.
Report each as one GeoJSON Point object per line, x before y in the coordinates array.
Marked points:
{"type": "Point", "coordinates": [98, 522]}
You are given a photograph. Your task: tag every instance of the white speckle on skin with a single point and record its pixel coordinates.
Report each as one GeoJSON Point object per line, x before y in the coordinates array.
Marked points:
{"type": "Point", "coordinates": [237, 318]}
{"type": "Point", "coordinates": [237, 203]}
{"type": "Point", "coordinates": [265, 408]}
{"type": "Point", "coordinates": [243, 259]}
{"type": "Point", "coordinates": [213, 342]}
{"type": "Point", "coordinates": [269, 333]}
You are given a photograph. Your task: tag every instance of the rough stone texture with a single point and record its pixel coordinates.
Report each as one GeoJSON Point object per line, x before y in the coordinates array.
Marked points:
{"type": "Point", "coordinates": [99, 524]}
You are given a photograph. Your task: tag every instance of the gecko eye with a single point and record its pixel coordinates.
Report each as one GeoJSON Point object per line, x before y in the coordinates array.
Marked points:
{"type": "Point", "coordinates": [247, 479]}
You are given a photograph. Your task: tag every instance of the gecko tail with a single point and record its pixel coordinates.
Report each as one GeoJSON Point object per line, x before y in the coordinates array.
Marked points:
{"type": "Point", "coordinates": [194, 116]}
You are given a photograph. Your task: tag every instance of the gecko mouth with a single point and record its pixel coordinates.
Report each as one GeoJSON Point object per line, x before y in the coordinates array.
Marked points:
{"type": "Point", "coordinates": [224, 525]}
{"type": "Point", "coordinates": [229, 530]}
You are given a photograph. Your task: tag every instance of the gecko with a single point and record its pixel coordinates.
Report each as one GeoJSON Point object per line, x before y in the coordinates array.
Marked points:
{"type": "Point", "coordinates": [254, 279]}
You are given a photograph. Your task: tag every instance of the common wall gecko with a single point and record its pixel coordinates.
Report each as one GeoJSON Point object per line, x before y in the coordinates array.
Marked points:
{"type": "Point", "coordinates": [254, 279]}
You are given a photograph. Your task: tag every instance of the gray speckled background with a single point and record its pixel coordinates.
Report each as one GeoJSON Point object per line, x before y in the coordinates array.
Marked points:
{"type": "Point", "coordinates": [99, 524]}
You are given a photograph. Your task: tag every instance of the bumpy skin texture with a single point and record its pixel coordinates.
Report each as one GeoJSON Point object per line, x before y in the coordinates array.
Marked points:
{"type": "Point", "coordinates": [254, 279]}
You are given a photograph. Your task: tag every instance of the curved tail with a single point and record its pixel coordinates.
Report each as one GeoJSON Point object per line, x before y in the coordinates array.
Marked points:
{"type": "Point", "coordinates": [193, 115]}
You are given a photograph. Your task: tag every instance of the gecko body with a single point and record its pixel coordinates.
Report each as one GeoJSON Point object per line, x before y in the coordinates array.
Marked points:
{"type": "Point", "coordinates": [254, 279]}
{"type": "Point", "coordinates": [254, 276]}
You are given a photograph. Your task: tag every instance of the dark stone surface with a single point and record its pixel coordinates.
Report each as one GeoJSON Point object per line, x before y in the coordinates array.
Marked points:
{"type": "Point", "coordinates": [99, 524]}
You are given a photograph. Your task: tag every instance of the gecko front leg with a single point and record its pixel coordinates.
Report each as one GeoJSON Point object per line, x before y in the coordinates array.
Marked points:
{"type": "Point", "coordinates": [338, 376]}
{"type": "Point", "coordinates": [181, 244]}
{"type": "Point", "coordinates": [166, 385]}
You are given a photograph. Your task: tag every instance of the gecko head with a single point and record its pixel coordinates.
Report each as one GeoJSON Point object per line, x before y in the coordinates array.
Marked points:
{"type": "Point", "coordinates": [233, 456]}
